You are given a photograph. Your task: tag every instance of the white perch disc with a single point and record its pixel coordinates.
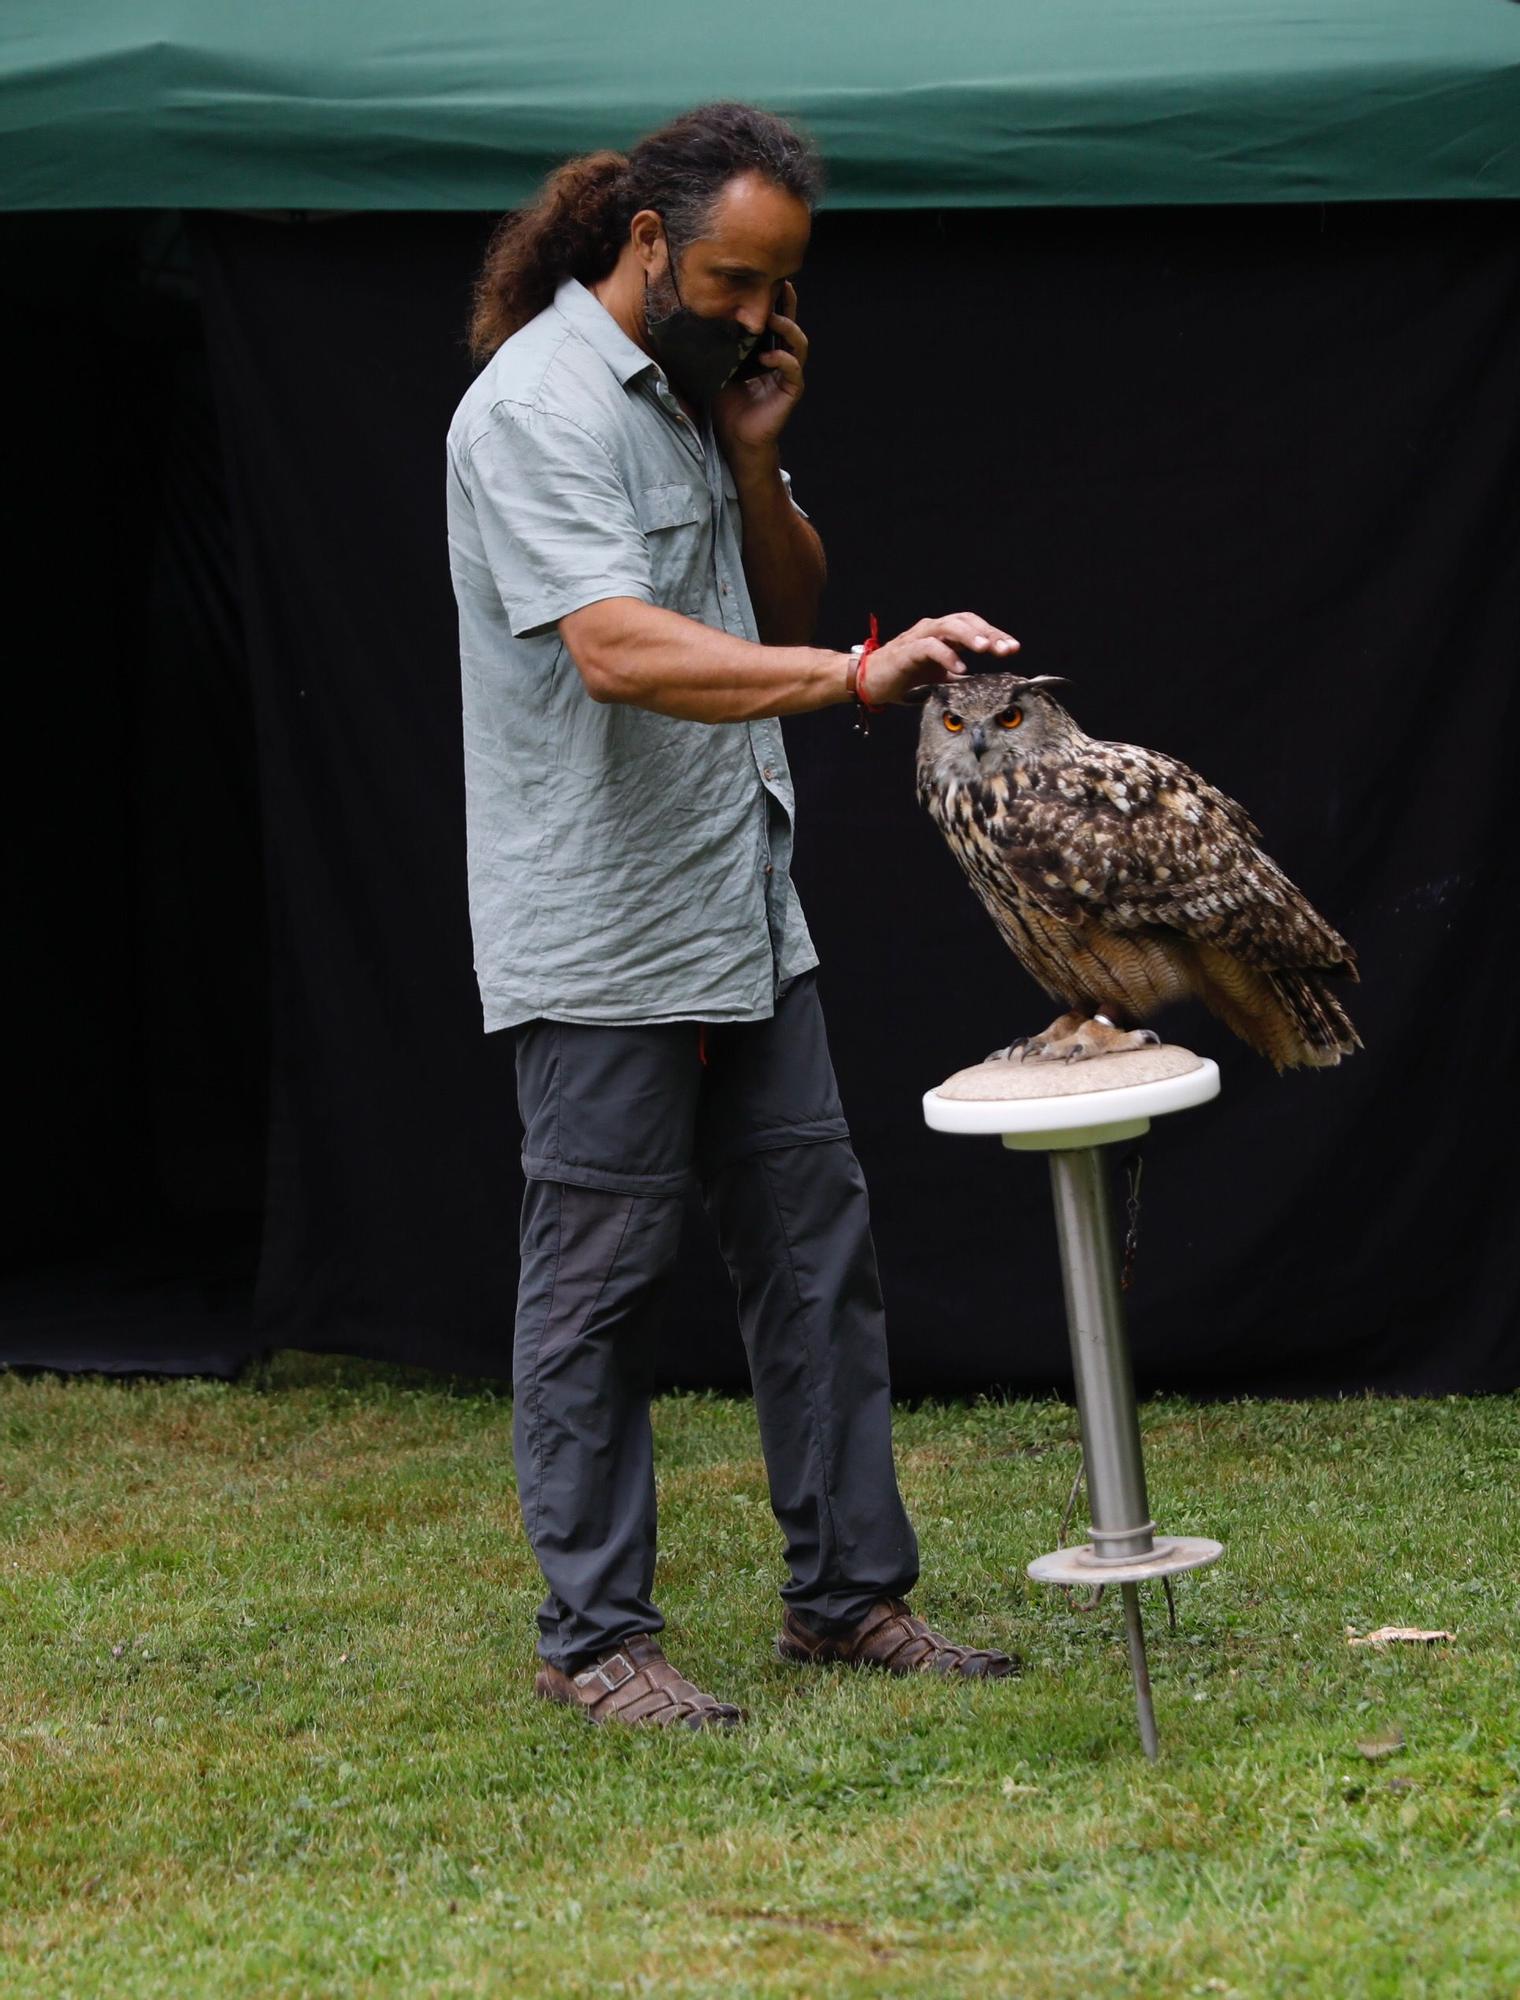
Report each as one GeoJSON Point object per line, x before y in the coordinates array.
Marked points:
{"type": "Point", "coordinates": [1067, 1104]}
{"type": "Point", "coordinates": [1171, 1555]}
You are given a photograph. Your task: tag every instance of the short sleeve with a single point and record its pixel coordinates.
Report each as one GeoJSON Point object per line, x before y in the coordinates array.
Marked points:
{"type": "Point", "coordinates": [557, 523]}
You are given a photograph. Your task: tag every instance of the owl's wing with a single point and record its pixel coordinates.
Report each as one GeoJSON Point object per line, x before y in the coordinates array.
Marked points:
{"type": "Point", "coordinates": [1135, 840]}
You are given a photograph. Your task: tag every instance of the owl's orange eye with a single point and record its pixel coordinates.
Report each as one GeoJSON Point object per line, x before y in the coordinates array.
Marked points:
{"type": "Point", "coordinates": [953, 723]}
{"type": "Point", "coordinates": [1010, 718]}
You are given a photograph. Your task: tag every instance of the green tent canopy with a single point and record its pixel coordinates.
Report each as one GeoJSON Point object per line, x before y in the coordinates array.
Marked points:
{"type": "Point", "coordinates": [389, 104]}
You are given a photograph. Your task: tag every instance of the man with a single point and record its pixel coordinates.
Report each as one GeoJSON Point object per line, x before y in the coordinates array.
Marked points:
{"type": "Point", "coordinates": [636, 593]}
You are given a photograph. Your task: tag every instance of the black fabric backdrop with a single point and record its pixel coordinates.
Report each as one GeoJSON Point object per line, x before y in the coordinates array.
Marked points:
{"type": "Point", "coordinates": [1248, 478]}
{"type": "Point", "coordinates": [133, 1008]}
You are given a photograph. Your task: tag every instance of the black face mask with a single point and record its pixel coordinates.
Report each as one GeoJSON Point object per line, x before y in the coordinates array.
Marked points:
{"type": "Point", "coordinates": [697, 353]}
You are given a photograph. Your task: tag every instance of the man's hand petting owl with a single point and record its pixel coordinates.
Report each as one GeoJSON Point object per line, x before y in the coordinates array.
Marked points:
{"type": "Point", "coordinates": [930, 652]}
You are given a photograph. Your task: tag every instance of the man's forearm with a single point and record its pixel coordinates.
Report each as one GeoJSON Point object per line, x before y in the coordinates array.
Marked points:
{"type": "Point", "coordinates": [783, 558]}
{"type": "Point", "coordinates": [630, 651]}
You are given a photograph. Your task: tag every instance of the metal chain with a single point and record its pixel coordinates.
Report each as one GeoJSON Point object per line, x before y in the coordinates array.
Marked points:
{"type": "Point", "coordinates": [1134, 1166]}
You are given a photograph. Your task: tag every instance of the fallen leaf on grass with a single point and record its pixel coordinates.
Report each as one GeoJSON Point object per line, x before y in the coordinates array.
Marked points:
{"type": "Point", "coordinates": [1373, 1747]}
{"type": "Point", "coordinates": [1387, 1634]}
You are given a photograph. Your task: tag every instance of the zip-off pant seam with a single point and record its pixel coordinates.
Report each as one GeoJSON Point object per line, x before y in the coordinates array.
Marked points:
{"type": "Point", "coordinates": [825, 1481]}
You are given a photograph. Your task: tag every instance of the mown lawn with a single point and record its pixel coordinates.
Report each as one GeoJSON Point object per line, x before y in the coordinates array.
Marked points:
{"type": "Point", "coordinates": [265, 1722]}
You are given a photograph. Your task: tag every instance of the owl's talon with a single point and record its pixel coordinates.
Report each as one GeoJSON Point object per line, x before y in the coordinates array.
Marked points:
{"type": "Point", "coordinates": [1075, 1038]}
{"type": "Point", "coordinates": [1034, 1048]}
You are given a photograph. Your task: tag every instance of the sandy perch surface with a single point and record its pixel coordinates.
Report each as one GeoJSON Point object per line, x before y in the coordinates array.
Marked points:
{"type": "Point", "coordinates": [994, 1082]}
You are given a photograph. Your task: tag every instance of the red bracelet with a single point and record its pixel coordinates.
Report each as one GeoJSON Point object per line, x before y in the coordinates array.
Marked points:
{"type": "Point", "coordinates": [872, 645]}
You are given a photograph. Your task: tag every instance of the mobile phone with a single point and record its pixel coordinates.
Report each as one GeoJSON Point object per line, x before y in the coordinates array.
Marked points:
{"type": "Point", "coordinates": [749, 368]}
{"type": "Point", "coordinates": [768, 342]}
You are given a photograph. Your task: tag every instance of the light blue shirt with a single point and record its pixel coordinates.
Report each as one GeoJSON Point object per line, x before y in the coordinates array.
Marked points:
{"type": "Point", "coordinates": [623, 866]}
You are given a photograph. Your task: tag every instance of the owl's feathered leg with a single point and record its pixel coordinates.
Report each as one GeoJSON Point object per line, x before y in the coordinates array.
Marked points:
{"type": "Point", "coordinates": [1073, 1038]}
{"type": "Point", "coordinates": [1027, 1045]}
{"type": "Point", "coordinates": [1095, 1037]}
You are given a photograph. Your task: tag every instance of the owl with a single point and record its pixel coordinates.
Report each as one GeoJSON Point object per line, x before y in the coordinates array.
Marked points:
{"type": "Point", "coordinates": [1121, 880]}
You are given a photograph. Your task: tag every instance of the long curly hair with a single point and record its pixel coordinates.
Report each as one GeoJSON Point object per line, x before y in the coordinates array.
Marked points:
{"type": "Point", "coordinates": [578, 224]}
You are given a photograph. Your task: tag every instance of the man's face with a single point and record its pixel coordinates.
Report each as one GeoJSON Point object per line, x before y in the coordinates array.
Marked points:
{"type": "Point", "coordinates": [756, 240]}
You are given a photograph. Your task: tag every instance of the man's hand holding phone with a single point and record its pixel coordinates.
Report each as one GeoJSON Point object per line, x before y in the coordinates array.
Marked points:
{"type": "Point", "coordinates": [751, 413]}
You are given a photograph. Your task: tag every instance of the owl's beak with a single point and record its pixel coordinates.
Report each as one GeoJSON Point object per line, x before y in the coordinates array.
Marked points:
{"type": "Point", "coordinates": [979, 739]}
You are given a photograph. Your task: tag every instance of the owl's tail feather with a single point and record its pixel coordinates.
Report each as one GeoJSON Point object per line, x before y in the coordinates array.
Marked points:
{"type": "Point", "coordinates": [1320, 1029]}
{"type": "Point", "coordinates": [1292, 1018]}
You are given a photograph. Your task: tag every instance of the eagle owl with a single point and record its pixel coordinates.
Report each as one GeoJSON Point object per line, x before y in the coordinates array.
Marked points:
{"type": "Point", "coordinates": [1121, 880]}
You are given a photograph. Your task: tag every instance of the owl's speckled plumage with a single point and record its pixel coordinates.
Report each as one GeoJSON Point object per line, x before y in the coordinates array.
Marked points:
{"type": "Point", "coordinates": [1120, 879]}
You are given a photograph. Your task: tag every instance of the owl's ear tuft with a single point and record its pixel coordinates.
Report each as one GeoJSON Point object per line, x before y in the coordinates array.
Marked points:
{"type": "Point", "coordinates": [1044, 681]}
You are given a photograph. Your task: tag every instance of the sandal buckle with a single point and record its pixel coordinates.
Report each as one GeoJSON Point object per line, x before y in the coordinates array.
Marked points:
{"type": "Point", "coordinates": [602, 1672]}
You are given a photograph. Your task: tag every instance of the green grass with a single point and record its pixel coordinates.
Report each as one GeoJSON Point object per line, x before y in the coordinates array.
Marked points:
{"type": "Point", "coordinates": [266, 1729]}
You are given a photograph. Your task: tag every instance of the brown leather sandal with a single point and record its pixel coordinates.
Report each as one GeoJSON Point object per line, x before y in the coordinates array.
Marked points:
{"type": "Point", "coordinates": [892, 1638]}
{"type": "Point", "coordinates": [636, 1684]}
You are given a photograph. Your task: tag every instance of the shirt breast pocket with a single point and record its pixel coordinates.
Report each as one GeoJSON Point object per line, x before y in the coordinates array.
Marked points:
{"type": "Point", "coordinates": [677, 524]}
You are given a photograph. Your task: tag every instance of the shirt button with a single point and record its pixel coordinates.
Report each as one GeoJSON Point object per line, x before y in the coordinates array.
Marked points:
{"type": "Point", "coordinates": [767, 772]}
{"type": "Point", "coordinates": [768, 869]}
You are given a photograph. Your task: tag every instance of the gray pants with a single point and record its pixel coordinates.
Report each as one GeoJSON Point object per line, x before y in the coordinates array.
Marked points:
{"type": "Point", "coordinates": [617, 1124]}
